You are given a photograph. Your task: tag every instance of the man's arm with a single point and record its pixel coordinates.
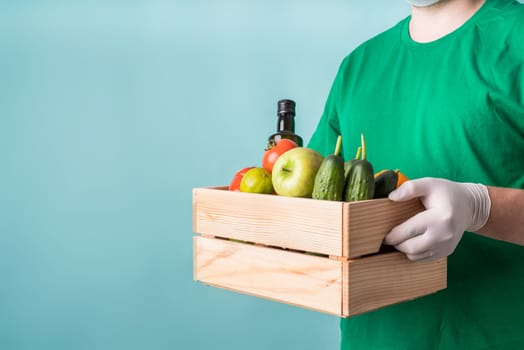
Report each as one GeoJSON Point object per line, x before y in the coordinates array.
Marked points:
{"type": "Point", "coordinates": [506, 218]}
{"type": "Point", "coordinates": [451, 209]}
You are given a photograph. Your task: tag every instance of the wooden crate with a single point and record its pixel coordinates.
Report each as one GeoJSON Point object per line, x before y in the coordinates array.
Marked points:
{"type": "Point", "coordinates": [322, 255]}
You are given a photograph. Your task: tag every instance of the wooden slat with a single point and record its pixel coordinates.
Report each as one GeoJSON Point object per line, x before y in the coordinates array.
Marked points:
{"type": "Point", "coordinates": [295, 223]}
{"type": "Point", "coordinates": [377, 281]}
{"type": "Point", "coordinates": [366, 223]}
{"type": "Point", "coordinates": [293, 278]}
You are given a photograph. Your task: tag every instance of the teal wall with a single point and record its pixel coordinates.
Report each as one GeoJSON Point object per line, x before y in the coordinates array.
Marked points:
{"type": "Point", "coordinates": [110, 113]}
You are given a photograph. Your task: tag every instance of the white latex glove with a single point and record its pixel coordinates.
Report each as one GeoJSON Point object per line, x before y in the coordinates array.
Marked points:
{"type": "Point", "coordinates": [451, 209]}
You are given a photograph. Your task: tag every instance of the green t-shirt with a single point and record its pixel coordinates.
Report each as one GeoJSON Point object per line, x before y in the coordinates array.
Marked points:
{"type": "Point", "coordinates": [452, 108]}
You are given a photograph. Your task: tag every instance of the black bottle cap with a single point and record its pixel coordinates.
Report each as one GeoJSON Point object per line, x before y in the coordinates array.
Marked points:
{"type": "Point", "coordinates": [286, 106]}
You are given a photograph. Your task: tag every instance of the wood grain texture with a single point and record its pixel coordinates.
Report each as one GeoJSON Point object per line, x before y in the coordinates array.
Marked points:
{"type": "Point", "coordinates": [347, 229]}
{"type": "Point", "coordinates": [373, 282]}
{"type": "Point", "coordinates": [293, 278]}
{"type": "Point", "coordinates": [295, 223]}
{"type": "Point", "coordinates": [347, 283]}
{"type": "Point", "coordinates": [366, 223]}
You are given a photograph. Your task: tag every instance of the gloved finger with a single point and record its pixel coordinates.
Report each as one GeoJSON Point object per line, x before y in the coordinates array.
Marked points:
{"type": "Point", "coordinates": [412, 227]}
{"type": "Point", "coordinates": [411, 189]}
{"type": "Point", "coordinates": [416, 245]}
{"type": "Point", "coordinates": [428, 255]}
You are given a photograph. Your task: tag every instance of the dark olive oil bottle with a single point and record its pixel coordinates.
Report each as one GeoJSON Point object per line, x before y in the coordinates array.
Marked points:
{"type": "Point", "coordinates": [285, 125]}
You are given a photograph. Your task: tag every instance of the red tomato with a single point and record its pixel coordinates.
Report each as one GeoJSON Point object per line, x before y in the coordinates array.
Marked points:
{"type": "Point", "coordinates": [235, 183]}
{"type": "Point", "coordinates": [272, 154]}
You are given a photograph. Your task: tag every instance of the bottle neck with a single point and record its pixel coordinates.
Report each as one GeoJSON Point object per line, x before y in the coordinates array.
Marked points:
{"type": "Point", "coordinates": [286, 122]}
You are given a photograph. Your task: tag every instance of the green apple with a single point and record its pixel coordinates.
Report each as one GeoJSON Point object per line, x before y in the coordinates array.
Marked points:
{"type": "Point", "coordinates": [294, 172]}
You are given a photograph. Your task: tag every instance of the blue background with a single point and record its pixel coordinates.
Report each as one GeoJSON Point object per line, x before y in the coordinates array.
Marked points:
{"type": "Point", "coordinates": [110, 113]}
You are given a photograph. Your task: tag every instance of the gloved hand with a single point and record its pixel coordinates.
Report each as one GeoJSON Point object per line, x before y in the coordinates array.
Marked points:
{"type": "Point", "coordinates": [451, 209]}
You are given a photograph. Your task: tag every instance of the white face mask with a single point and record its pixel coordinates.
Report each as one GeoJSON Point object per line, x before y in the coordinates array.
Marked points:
{"type": "Point", "coordinates": [422, 3]}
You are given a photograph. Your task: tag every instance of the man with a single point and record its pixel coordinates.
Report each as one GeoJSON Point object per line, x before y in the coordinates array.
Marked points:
{"type": "Point", "coordinates": [441, 97]}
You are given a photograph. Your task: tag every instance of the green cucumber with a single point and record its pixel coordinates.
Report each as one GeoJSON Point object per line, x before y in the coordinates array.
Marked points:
{"type": "Point", "coordinates": [349, 163]}
{"type": "Point", "coordinates": [329, 180]}
{"type": "Point", "coordinates": [360, 182]}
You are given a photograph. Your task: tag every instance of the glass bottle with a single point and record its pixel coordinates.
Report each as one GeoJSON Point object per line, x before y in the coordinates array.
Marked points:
{"type": "Point", "coordinates": [285, 125]}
